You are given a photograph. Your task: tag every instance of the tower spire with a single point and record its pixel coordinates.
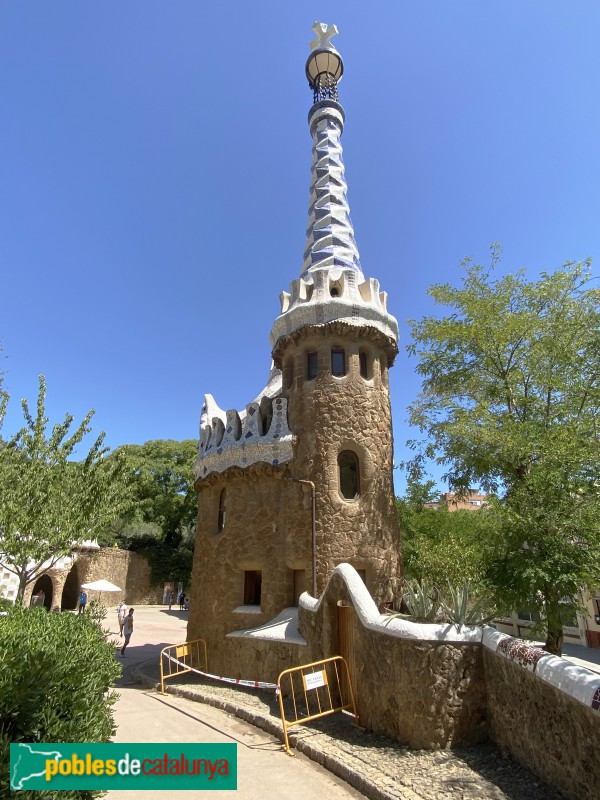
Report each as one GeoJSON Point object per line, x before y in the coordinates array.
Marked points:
{"type": "Point", "coordinates": [331, 287]}
{"type": "Point", "coordinates": [329, 234]}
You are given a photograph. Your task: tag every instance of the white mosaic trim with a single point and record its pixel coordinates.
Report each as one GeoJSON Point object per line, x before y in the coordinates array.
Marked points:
{"type": "Point", "coordinates": [230, 439]}
{"type": "Point", "coordinates": [580, 683]}
{"type": "Point", "coordinates": [310, 303]}
{"type": "Point", "coordinates": [382, 623]}
{"type": "Point", "coordinates": [282, 628]}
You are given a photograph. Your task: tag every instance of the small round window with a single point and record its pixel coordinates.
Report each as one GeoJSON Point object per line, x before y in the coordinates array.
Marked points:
{"type": "Point", "coordinates": [349, 474]}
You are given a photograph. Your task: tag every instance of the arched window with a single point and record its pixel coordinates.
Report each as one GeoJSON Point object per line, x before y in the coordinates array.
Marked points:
{"type": "Point", "coordinates": [222, 510]}
{"type": "Point", "coordinates": [349, 474]}
{"type": "Point", "coordinates": [266, 413]}
{"type": "Point", "coordinates": [338, 361]}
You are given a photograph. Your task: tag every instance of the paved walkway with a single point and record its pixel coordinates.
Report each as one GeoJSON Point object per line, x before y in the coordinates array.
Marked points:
{"type": "Point", "coordinates": [380, 768]}
{"type": "Point", "coordinates": [264, 771]}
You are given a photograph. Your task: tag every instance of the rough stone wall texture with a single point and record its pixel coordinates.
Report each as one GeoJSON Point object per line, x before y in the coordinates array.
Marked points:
{"type": "Point", "coordinates": [268, 520]}
{"type": "Point", "coordinates": [425, 694]}
{"type": "Point", "coordinates": [547, 730]}
{"type": "Point", "coordinates": [130, 571]}
{"type": "Point", "coordinates": [267, 528]}
{"type": "Point", "coordinates": [331, 414]}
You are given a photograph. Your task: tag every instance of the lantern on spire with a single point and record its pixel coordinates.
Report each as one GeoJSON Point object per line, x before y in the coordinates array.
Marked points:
{"type": "Point", "coordinates": [324, 67]}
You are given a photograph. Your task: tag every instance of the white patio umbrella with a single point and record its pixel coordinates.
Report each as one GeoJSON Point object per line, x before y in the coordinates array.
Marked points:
{"type": "Point", "coordinates": [101, 586]}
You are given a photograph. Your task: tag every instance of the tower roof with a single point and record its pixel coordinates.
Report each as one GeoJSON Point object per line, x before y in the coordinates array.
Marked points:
{"type": "Point", "coordinates": [331, 285]}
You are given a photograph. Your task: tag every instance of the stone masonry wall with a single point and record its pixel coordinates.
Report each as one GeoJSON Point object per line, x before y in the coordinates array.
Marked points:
{"type": "Point", "coordinates": [426, 694]}
{"type": "Point", "coordinates": [546, 729]}
{"type": "Point", "coordinates": [128, 570]}
{"type": "Point", "coordinates": [331, 414]}
{"type": "Point", "coordinates": [268, 529]}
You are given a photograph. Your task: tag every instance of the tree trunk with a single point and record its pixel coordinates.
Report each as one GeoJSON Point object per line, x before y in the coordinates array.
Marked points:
{"type": "Point", "coordinates": [554, 634]}
{"type": "Point", "coordinates": [22, 586]}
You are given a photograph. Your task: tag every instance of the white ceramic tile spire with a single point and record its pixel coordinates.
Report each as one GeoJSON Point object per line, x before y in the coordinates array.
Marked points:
{"type": "Point", "coordinates": [331, 285]}
{"type": "Point", "coordinates": [329, 234]}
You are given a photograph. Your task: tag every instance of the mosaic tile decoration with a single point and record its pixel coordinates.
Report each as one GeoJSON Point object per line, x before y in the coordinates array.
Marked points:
{"type": "Point", "coordinates": [576, 681]}
{"type": "Point", "coordinates": [520, 652]}
{"type": "Point", "coordinates": [331, 255]}
{"type": "Point", "coordinates": [329, 234]}
{"type": "Point", "coordinates": [309, 302]}
{"type": "Point", "coordinates": [229, 439]}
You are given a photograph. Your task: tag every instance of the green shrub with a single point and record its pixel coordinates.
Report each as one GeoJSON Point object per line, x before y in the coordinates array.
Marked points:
{"type": "Point", "coordinates": [5, 605]}
{"type": "Point", "coordinates": [56, 683]}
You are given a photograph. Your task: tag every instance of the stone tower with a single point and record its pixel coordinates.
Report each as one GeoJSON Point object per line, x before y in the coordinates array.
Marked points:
{"type": "Point", "coordinates": [334, 342]}
{"type": "Point", "coordinates": [302, 479]}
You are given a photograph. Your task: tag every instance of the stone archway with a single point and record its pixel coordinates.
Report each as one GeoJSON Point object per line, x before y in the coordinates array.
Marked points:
{"type": "Point", "coordinates": [43, 592]}
{"type": "Point", "coordinates": [70, 592]}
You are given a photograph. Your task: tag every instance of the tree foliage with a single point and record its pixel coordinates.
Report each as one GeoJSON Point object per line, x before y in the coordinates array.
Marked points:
{"type": "Point", "coordinates": [50, 503]}
{"type": "Point", "coordinates": [57, 672]}
{"type": "Point", "coordinates": [441, 546]}
{"type": "Point", "coordinates": [511, 402]}
{"type": "Point", "coordinates": [161, 522]}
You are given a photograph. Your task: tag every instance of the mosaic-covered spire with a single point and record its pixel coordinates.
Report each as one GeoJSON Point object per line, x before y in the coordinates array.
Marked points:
{"type": "Point", "coordinates": [331, 286]}
{"type": "Point", "coordinates": [329, 234]}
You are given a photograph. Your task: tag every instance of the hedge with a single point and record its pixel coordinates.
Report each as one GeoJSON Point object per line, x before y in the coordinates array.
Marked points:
{"type": "Point", "coordinates": [56, 678]}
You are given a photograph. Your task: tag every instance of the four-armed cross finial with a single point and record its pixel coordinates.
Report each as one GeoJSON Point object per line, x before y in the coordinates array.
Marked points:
{"type": "Point", "coordinates": [323, 33]}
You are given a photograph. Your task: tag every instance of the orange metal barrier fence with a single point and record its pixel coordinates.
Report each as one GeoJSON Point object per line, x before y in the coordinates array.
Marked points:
{"type": "Point", "coordinates": [177, 659]}
{"type": "Point", "coordinates": [315, 690]}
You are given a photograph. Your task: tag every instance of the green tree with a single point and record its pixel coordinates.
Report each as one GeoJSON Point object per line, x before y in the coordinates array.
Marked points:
{"type": "Point", "coordinates": [511, 401]}
{"type": "Point", "coordinates": [161, 522]}
{"type": "Point", "coordinates": [163, 485]}
{"type": "Point", "coordinates": [441, 546]}
{"type": "Point", "coordinates": [50, 503]}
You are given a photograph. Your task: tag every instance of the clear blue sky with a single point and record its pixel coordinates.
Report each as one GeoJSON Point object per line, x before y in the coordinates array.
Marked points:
{"type": "Point", "coordinates": [154, 178]}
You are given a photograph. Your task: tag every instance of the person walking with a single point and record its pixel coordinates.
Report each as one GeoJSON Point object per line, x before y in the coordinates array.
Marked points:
{"type": "Point", "coordinates": [82, 601]}
{"type": "Point", "coordinates": [170, 600]}
{"type": "Point", "coordinates": [127, 630]}
{"type": "Point", "coordinates": [181, 599]}
{"type": "Point", "coordinates": [121, 614]}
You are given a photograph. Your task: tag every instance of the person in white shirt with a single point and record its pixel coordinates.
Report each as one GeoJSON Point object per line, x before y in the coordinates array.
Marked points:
{"type": "Point", "coordinates": [127, 630]}
{"type": "Point", "coordinates": [121, 614]}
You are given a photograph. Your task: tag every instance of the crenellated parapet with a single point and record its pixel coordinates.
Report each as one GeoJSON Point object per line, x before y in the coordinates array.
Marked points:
{"type": "Point", "coordinates": [234, 439]}
{"type": "Point", "coordinates": [329, 294]}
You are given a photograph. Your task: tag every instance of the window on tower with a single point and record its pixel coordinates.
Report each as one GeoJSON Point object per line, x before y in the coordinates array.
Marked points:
{"type": "Point", "coordinates": [312, 364]}
{"type": "Point", "coordinates": [252, 587]}
{"type": "Point", "coordinates": [364, 364]}
{"type": "Point", "coordinates": [222, 510]}
{"type": "Point", "coordinates": [338, 361]}
{"type": "Point", "coordinates": [349, 474]}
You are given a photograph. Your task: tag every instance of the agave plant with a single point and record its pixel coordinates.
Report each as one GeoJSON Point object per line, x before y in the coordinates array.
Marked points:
{"type": "Point", "coordinates": [421, 599]}
{"type": "Point", "coordinates": [460, 607]}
